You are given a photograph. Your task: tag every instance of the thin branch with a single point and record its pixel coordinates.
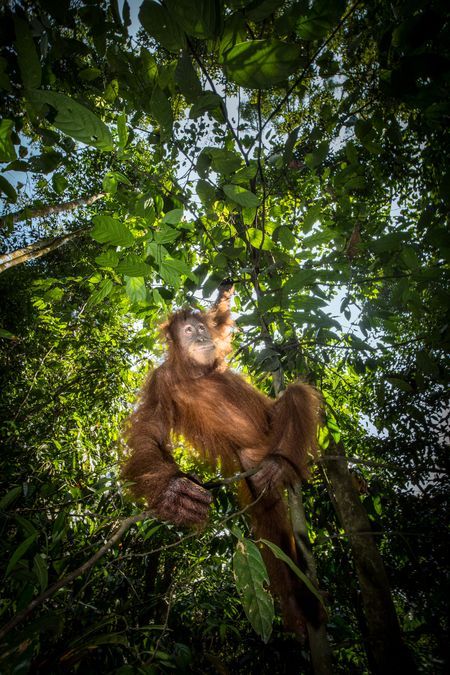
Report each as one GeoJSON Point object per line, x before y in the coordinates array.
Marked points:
{"type": "Point", "coordinates": [224, 110]}
{"type": "Point", "coordinates": [51, 590]}
{"type": "Point", "coordinates": [308, 66]}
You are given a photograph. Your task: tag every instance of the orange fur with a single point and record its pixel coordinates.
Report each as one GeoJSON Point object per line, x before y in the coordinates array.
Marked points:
{"type": "Point", "coordinates": [225, 418]}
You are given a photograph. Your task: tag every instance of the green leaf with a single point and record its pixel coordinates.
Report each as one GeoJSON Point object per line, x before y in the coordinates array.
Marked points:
{"type": "Point", "coordinates": [206, 103]}
{"type": "Point", "coordinates": [160, 24]}
{"type": "Point", "coordinates": [201, 18]}
{"type": "Point", "coordinates": [6, 333]}
{"type": "Point", "coordinates": [133, 266]}
{"type": "Point", "coordinates": [135, 289]}
{"type": "Point", "coordinates": [19, 553]}
{"type": "Point", "coordinates": [300, 279]}
{"type": "Point", "coordinates": [186, 78]}
{"type": "Point", "coordinates": [284, 235]}
{"type": "Point", "coordinates": [206, 192]}
{"type": "Point", "coordinates": [171, 270]}
{"type": "Point", "coordinates": [241, 196]}
{"type": "Point", "coordinates": [59, 183]}
{"type": "Point", "coordinates": [250, 575]}
{"type": "Point", "coordinates": [173, 217]}
{"type": "Point", "coordinates": [165, 235]}
{"type": "Point", "coordinates": [400, 383]}
{"type": "Point", "coordinates": [40, 570]}
{"type": "Point", "coordinates": [122, 130]}
{"type": "Point", "coordinates": [100, 293]}
{"type": "Point", "coordinates": [7, 150]}
{"type": "Point", "coordinates": [7, 189]}
{"type": "Point", "coordinates": [257, 239]}
{"type": "Point", "coordinates": [162, 110]}
{"type": "Point", "coordinates": [74, 119]}
{"type": "Point", "coordinates": [278, 553]}
{"type": "Point", "coordinates": [223, 161]}
{"type": "Point", "coordinates": [27, 56]}
{"type": "Point", "coordinates": [261, 64]}
{"type": "Point", "coordinates": [10, 496]}
{"type": "Point", "coordinates": [260, 9]}
{"type": "Point", "coordinates": [108, 230]}
{"type": "Point", "coordinates": [108, 258]}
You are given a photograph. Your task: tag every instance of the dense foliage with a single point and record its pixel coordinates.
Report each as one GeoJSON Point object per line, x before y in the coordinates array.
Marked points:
{"type": "Point", "coordinates": [148, 152]}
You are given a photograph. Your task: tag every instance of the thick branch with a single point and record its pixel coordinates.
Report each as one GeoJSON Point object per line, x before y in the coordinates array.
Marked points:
{"type": "Point", "coordinates": [37, 249]}
{"type": "Point", "coordinates": [28, 214]}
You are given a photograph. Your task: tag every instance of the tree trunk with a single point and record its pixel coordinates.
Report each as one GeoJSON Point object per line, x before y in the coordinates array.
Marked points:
{"type": "Point", "coordinates": [28, 214]}
{"type": "Point", "coordinates": [319, 645]}
{"type": "Point", "coordinates": [36, 250]}
{"type": "Point", "coordinates": [318, 640]}
{"type": "Point", "coordinates": [387, 652]}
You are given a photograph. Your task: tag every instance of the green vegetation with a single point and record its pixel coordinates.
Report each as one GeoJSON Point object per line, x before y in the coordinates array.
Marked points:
{"type": "Point", "coordinates": [302, 149]}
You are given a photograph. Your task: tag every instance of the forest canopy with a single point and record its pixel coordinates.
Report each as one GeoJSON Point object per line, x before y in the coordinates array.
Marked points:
{"type": "Point", "coordinates": [150, 150]}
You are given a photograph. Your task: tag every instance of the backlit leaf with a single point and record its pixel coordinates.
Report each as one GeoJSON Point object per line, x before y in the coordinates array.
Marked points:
{"type": "Point", "coordinates": [241, 196]}
{"type": "Point", "coordinates": [74, 119]}
{"type": "Point", "coordinates": [27, 56]}
{"type": "Point", "coordinates": [160, 24]}
{"type": "Point", "coordinates": [251, 575]}
{"type": "Point", "coordinates": [261, 64]}
{"type": "Point", "coordinates": [108, 230]}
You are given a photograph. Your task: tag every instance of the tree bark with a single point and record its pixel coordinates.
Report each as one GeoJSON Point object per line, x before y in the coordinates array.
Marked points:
{"type": "Point", "coordinates": [319, 645]}
{"type": "Point", "coordinates": [387, 652]}
{"type": "Point", "coordinates": [28, 214]}
{"type": "Point", "coordinates": [37, 249]}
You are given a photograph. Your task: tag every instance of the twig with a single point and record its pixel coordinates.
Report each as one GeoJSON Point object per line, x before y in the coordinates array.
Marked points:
{"type": "Point", "coordinates": [51, 590]}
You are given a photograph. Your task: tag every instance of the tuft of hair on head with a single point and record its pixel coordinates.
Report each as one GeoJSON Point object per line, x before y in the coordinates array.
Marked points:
{"type": "Point", "coordinates": [168, 329]}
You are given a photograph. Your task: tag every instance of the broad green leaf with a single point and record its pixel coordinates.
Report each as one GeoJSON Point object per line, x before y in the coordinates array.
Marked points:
{"type": "Point", "coordinates": [300, 279]}
{"type": "Point", "coordinates": [400, 383]}
{"type": "Point", "coordinates": [314, 159]}
{"type": "Point", "coordinates": [10, 496]}
{"type": "Point", "coordinates": [173, 217]}
{"type": "Point", "coordinates": [258, 239]}
{"type": "Point", "coordinates": [135, 289]}
{"type": "Point", "coordinates": [160, 24]}
{"type": "Point", "coordinates": [7, 150]}
{"type": "Point", "coordinates": [109, 183]}
{"type": "Point", "coordinates": [201, 18]}
{"type": "Point", "coordinates": [261, 64]}
{"type": "Point", "coordinates": [187, 79]}
{"type": "Point", "coordinates": [320, 19]}
{"type": "Point", "coordinates": [224, 161]}
{"type": "Point", "coordinates": [250, 575]}
{"type": "Point", "coordinates": [40, 570]}
{"type": "Point", "coordinates": [122, 130]}
{"type": "Point", "coordinates": [19, 553]}
{"type": "Point", "coordinates": [108, 230]}
{"type": "Point", "coordinates": [206, 192]}
{"type": "Point", "coordinates": [166, 234]}
{"type": "Point", "coordinates": [101, 292]}
{"type": "Point", "coordinates": [284, 235]}
{"type": "Point", "coordinates": [241, 196]}
{"type": "Point", "coordinates": [59, 183]}
{"type": "Point", "coordinates": [27, 56]}
{"type": "Point", "coordinates": [133, 266]}
{"type": "Point", "coordinates": [261, 9]}
{"type": "Point", "coordinates": [389, 242]}
{"type": "Point", "coordinates": [207, 102]}
{"type": "Point", "coordinates": [278, 553]}
{"type": "Point", "coordinates": [108, 258]}
{"type": "Point", "coordinates": [311, 217]}
{"type": "Point", "coordinates": [73, 119]}
{"type": "Point", "coordinates": [171, 270]}
{"type": "Point", "coordinates": [162, 110]}
{"type": "Point", "coordinates": [7, 189]}
{"type": "Point", "coordinates": [7, 335]}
